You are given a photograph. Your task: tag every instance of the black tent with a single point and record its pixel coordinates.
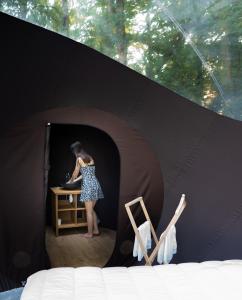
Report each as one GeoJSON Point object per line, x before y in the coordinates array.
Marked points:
{"type": "Point", "coordinates": [49, 78]}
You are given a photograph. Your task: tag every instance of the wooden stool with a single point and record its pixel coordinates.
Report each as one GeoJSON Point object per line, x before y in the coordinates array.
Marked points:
{"type": "Point", "coordinates": [72, 214]}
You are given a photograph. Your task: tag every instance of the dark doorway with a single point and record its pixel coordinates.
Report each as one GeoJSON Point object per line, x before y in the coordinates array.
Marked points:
{"type": "Point", "coordinates": [68, 248]}
{"type": "Point", "coordinates": [107, 161]}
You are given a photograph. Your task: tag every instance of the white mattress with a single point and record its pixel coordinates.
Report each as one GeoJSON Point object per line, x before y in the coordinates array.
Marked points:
{"type": "Point", "coordinates": [215, 280]}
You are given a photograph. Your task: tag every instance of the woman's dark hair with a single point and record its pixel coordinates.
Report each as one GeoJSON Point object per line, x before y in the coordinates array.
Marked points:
{"type": "Point", "coordinates": [76, 147]}
{"type": "Point", "coordinates": [78, 150]}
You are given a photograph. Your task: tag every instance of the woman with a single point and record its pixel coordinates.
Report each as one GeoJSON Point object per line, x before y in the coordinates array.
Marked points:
{"type": "Point", "coordinates": [90, 189]}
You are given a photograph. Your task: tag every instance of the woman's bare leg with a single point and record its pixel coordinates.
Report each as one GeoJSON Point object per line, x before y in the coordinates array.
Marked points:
{"type": "Point", "coordinates": [89, 212]}
{"type": "Point", "coordinates": [95, 226]}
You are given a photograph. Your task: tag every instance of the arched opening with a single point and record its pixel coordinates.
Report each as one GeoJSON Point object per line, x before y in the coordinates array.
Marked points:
{"type": "Point", "coordinates": [26, 249]}
{"type": "Point", "coordinates": [69, 248]}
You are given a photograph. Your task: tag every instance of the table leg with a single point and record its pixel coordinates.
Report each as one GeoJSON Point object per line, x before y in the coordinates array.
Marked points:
{"type": "Point", "coordinates": [75, 204]}
{"type": "Point", "coordinates": [56, 216]}
{"type": "Point", "coordinates": [53, 210]}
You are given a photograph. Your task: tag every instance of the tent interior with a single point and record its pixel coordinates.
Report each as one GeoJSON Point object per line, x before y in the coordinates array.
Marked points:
{"type": "Point", "coordinates": [148, 139]}
{"type": "Point", "coordinates": [69, 249]}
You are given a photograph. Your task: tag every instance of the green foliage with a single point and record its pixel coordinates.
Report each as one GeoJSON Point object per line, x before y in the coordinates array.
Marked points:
{"type": "Point", "coordinates": [192, 47]}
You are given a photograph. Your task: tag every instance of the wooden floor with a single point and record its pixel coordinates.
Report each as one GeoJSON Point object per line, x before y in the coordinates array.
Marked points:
{"type": "Point", "coordinates": [69, 249]}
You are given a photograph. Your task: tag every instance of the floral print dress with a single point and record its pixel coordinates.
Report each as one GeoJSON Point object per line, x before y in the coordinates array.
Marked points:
{"type": "Point", "coordinates": [90, 189]}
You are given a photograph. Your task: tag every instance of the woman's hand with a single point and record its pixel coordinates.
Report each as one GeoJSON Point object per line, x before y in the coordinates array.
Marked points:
{"type": "Point", "coordinates": [77, 179]}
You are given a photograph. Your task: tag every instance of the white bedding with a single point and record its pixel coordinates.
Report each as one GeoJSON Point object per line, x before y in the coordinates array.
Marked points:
{"type": "Point", "coordinates": [215, 280]}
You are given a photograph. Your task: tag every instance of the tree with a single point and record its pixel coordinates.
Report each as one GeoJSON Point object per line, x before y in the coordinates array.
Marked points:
{"type": "Point", "coordinates": [191, 47]}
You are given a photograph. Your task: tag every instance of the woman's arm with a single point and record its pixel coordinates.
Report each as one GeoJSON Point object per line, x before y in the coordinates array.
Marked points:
{"type": "Point", "coordinates": [78, 178]}
{"type": "Point", "coordinates": [91, 162]}
{"type": "Point", "coordinates": [75, 172]}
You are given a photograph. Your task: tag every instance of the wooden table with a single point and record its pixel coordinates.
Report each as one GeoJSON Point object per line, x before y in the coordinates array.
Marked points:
{"type": "Point", "coordinates": [72, 215]}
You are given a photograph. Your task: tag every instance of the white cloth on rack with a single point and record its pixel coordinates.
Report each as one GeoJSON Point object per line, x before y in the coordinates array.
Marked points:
{"type": "Point", "coordinates": [145, 234]}
{"type": "Point", "coordinates": [168, 247]}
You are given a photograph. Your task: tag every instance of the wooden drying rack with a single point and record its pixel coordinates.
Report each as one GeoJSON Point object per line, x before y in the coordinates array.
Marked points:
{"type": "Point", "coordinates": [150, 259]}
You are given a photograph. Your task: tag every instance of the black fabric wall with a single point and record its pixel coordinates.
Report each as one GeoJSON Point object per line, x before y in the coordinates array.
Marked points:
{"type": "Point", "coordinates": [105, 153]}
{"type": "Point", "coordinates": [199, 151]}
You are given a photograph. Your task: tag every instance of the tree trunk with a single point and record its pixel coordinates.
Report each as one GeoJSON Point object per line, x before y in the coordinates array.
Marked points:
{"type": "Point", "coordinates": [148, 65]}
{"type": "Point", "coordinates": [118, 14]}
{"type": "Point", "coordinates": [122, 42]}
{"type": "Point", "coordinates": [23, 9]}
{"type": "Point", "coordinates": [65, 21]}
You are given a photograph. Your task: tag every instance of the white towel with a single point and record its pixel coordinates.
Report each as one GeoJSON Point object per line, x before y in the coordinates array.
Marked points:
{"type": "Point", "coordinates": [70, 198]}
{"type": "Point", "coordinates": [168, 247]}
{"type": "Point", "coordinates": [145, 234]}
